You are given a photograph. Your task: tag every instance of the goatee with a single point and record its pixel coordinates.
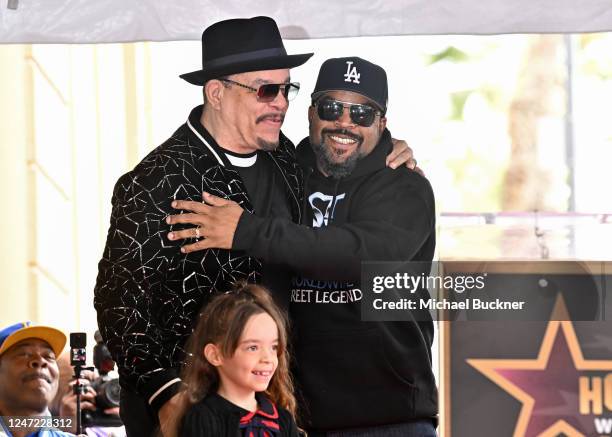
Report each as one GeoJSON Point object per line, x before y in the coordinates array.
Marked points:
{"type": "Point", "coordinates": [325, 155]}
{"type": "Point", "coordinates": [267, 146]}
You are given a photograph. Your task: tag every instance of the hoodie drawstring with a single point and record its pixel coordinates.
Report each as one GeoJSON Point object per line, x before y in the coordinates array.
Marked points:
{"type": "Point", "coordinates": [333, 211]}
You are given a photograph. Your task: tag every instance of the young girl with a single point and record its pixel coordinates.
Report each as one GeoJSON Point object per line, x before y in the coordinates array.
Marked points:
{"type": "Point", "coordinates": [237, 376]}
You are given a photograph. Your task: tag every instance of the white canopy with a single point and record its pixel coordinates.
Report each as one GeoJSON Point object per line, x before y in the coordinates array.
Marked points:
{"type": "Point", "coordinates": [94, 21]}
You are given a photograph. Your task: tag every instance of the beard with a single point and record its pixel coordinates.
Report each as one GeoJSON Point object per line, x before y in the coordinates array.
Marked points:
{"type": "Point", "coordinates": [266, 146]}
{"type": "Point", "coordinates": [325, 155]}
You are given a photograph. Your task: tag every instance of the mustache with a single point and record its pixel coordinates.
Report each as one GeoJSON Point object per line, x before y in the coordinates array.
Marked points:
{"type": "Point", "coordinates": [36, 375]}
{"type": "Point", "coordinates": [344, 132]}
{"type": "Point", "coordinates": [270, 115]}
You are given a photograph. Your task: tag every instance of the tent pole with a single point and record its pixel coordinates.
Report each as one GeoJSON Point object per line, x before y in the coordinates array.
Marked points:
{"type": "Point", "coordinates": [569, 120]}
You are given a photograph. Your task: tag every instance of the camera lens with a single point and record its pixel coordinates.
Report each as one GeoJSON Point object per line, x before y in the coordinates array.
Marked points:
{"type": "Point", "coordinates": [109, 394]}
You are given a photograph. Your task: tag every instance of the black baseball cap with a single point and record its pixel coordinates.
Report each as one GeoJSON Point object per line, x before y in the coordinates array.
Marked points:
{"type": "Point", "coordinates": [353, 74]}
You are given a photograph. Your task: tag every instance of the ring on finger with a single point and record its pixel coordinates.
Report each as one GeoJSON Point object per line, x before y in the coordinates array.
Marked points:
{"type": "Point", "coordinates": [197, 232]}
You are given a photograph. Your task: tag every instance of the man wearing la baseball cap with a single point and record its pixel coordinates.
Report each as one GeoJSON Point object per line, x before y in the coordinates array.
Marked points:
{"type": "Point", "coordinates": [357, 378]}
{"type": "Point", "coordinates": [28, 377]}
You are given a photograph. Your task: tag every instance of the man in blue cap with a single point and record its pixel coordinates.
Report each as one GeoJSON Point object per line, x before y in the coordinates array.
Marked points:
{"type": "Point", "coordinates": [28, 380]}
{"type": "Point", "coordinates": [357, 379]}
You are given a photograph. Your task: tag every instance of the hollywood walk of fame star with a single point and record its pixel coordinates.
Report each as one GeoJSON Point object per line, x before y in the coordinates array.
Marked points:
{"type": "Point", "coordinates": [548, 385]}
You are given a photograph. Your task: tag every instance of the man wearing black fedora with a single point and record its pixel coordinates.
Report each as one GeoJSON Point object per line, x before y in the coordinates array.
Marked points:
{"type": "Point", "coordinates": [148, 293]}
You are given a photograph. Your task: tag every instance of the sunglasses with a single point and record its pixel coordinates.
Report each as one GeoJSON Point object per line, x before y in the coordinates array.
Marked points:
{"type": "Point", "coordinates": [332, 110]}
{"type": "Point", "coordinates": [268, 91]}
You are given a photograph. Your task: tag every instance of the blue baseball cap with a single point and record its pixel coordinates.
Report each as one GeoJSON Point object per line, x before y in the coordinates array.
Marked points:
{"type": "Point", "coordinates": [13, 334]}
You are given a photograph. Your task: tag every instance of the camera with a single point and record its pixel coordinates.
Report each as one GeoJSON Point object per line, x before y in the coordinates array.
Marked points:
{"type": "Point", "coordinates": [106, 387]}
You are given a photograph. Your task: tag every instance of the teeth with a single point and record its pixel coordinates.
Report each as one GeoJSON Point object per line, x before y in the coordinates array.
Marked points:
{"type": "Point", "coordinates": [342, 140]}
{"type": "Point", "coordinates": [262, 373]}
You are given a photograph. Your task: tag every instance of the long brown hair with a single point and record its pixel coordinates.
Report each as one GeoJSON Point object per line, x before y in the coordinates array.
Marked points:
{"type": "Point", "coordinates": [222, 323]}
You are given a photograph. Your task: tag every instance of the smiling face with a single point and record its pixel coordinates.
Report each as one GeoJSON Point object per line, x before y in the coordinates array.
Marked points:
{"type": "Point", "coordinates": [28, 377]}
{"type": "Point", "coordinates": [339, 144]}
{"type": "Point", "coordinates": [254, 361]}
{"type": "Point", "coordinates": [255, 125]}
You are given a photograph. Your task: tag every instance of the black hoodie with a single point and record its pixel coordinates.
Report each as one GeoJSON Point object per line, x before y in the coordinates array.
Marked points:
{"type": "Point", "coordinates": [353, 373]}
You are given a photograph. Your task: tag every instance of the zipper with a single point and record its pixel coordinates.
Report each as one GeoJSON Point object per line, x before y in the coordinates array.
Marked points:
{"type": "Point", "coordinates": [290, 189]}
{"type": "Point", "coordinates": [333, 211]}
{"type": "Point", "coordinates": [309, 171]}
{"type": "Point", "coordinates": [208, 146]}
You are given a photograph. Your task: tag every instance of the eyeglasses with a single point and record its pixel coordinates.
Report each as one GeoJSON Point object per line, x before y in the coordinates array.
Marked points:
{"type": "Point", "coordinates": [268, 91]}
{"type": "Point", "coordinates": [332, 110]}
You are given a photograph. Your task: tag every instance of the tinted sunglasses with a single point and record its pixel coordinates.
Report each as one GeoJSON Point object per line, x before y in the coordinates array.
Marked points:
{"type": "Point", "coordinates": [332, 110]}
{"type": "Point", "coordinates": [268, 91]}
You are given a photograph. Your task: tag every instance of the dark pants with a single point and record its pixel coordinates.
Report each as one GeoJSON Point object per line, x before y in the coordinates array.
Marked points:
{"type": "Point", "coordinates": [421, 428]}
{"type": "Point", "coordinates": [136, 415]}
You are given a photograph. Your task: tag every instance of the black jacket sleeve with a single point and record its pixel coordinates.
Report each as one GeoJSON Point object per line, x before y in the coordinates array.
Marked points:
{"type": "Point", "coordinates": [132, 273]}
{"type": "Point", "coordinates": [390, 220]}
{"type": "Point", "coordinates": [287, 424]}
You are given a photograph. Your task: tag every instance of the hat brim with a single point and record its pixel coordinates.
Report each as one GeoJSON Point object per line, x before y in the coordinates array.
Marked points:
{"type": "Point", "coordinates": [55, 338]}
{"type": "Point", "coordinates": [200, 77]}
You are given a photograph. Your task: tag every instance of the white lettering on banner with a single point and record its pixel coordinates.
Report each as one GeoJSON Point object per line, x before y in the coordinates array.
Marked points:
{"type": "Point", "coordinates": [603, 425]}
{"type": "Point", "coordinates": [326, 296]}
{"type": "Point", "coordinates": [321, 216]}
{"type": "Point", "coordinates": [313, 283]}
{"type": "Point", "coordinates": [300, 296]}
{"type": "Point", "coordinates": [338, 296]}
{"type": "Point", "coordinates": [351, 75]}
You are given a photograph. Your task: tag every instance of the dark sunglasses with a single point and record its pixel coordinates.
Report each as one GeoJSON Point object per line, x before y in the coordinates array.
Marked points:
{"type": "Point", "coordinates": [268, 91]}
{"type": "Point", "coordinates": [332, 110]}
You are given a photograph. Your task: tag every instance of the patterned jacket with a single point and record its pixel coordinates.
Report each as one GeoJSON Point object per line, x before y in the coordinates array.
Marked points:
{"type": "Point", "coordinates": [148, 293]}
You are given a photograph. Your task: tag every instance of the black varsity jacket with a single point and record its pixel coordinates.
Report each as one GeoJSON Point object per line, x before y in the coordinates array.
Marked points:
{"type": "Point", "coordinates": [148, 293]}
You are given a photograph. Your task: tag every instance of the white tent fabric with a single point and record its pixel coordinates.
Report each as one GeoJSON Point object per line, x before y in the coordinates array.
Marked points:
{"type": "Point", "coordinates": [94, 21]}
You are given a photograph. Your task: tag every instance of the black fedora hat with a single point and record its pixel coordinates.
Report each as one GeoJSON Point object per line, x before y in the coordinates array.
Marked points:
{"type": "Point", "coordinates": [241, 45]}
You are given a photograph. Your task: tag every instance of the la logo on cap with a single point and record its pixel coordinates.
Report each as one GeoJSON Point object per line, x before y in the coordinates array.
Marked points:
{"type": "Point", "coordinates": [351, 74]}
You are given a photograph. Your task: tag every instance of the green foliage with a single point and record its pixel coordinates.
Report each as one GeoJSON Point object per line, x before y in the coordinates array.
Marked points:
{"type": "Point", "coordinates": [451, 54]}
{"type": "Point", "coordinates": [458, 100]}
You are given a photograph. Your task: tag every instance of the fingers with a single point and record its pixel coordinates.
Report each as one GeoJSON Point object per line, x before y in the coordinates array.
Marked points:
{"type": "Point", "coordinates": [200, 245]}
{"type": "Point", "coordinates": [87, 405]}
{"type": "Point", "coordinates": [112, 411]}
{"type": "Point", "coordinates": [190, 205]}
{"type": "Point", "coordinates": [190, 218]}
{"type": "Point", "coordinates": [83, 382]}
{"type": "Point", "coordinates": [214, 200]}
{"type": "Point", "coordinates": [68, 403]}
{"type": "Point", "coordinates": [88, 374]}
{"type": "Point", "coordinates": [394, 153]}
{"type": "Point", "coordinates": [401, 154]}
{"type": "Point", "coordinates": [215, 222]}
{"type": "Point", "coordinates": [196, 208]}
{"type": "Point", "coordinates": [419, 171]}
{"type": "Point", "coordinates": [186, 233]}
